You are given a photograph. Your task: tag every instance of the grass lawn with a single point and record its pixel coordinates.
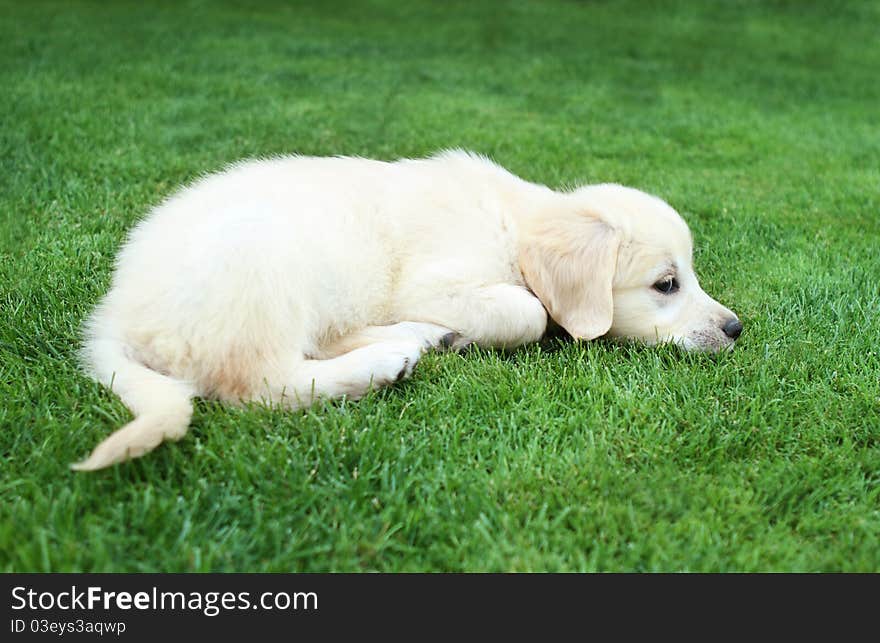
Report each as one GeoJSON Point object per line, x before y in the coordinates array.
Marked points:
{"type": "Point", "coordinates": [759, 122]}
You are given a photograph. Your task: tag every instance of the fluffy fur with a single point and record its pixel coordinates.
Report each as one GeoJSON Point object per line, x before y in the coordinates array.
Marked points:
{"type": "Point", "coordinates": [298, 278]}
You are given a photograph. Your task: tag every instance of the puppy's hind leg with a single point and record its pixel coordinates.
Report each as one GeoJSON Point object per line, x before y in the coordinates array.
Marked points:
{"type": "Point", "coordinates": [384, 355]}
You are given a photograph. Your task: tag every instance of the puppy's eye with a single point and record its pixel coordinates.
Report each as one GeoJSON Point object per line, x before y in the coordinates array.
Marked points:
{"type": "Point", "coordinates": [667, 286]}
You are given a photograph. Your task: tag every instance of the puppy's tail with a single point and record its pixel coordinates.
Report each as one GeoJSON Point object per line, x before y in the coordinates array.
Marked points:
{"type": "Point", "coordinates": [162, 405]}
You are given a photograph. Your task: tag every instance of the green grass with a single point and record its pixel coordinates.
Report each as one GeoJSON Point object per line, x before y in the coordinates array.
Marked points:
{"type": "Point", "coordinates": [758, 121]}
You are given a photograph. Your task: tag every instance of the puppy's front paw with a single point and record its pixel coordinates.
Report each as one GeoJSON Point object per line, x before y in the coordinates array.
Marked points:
{"type": "Point", "coordinates": [442, 339]}
{"type": "Point", "coordinates": [448, 340]}
{"type": "Point", "coordinates": [431, 336]}
{"type": "Point", "coordinates": [460, 344]}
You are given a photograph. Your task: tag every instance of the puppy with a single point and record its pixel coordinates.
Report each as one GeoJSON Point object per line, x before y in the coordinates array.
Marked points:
{"type": "Point", "coordinates": [292, 279]}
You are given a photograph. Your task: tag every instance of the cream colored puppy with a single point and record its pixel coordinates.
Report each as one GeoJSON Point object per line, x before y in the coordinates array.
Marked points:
{"type": "Point", "coordinates": [291, 279]}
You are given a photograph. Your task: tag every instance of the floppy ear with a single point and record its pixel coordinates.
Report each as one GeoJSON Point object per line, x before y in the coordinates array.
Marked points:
{"type": "Point", "coordinates": [569, 263]}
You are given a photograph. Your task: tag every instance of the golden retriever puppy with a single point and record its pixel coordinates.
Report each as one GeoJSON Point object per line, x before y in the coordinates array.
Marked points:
{"type": "Point", "coordinates": [291, 279]}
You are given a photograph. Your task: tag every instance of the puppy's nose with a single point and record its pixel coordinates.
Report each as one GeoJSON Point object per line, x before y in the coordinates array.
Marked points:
{"type": "Point", "coordinates": [732, 328]}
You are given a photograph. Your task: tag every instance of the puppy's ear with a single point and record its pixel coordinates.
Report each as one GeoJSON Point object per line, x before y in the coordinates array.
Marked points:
{"type": "Point", "coordinates": [569, 262]}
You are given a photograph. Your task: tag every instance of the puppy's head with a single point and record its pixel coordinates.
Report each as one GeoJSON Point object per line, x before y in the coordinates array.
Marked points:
{"type": "Point", "coordinates": [616, 261]}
